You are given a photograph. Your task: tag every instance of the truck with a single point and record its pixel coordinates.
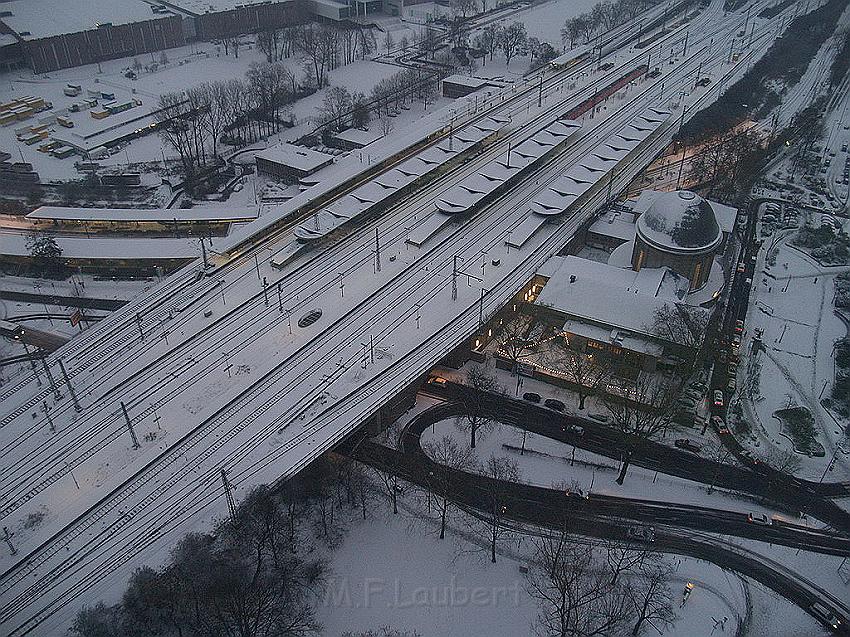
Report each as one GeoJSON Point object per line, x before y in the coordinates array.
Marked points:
{"type": "Point", "coordinates": [64, 121]}
{"type": "Point", "coordinates": [72, 90]}
{"type": "Point", "coordinates": [63, 151]}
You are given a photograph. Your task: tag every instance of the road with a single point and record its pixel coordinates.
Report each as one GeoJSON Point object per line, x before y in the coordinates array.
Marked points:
{"type": "Point", "coordinates": [246, 389]}
{"type": "Point", "coordinates": [788, 493]}
{"type": "Point", "coordinates": [598, 517]}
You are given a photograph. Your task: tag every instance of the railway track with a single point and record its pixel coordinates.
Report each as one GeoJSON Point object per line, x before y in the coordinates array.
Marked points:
{"type": "Point", "coordinates": [199, 491]}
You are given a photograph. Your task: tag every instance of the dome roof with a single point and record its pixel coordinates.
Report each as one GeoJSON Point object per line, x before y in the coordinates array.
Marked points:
{"type": "Point", "coordinates": [680, 221]}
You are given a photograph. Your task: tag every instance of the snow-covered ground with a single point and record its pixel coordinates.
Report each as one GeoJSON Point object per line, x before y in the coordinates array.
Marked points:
{"type": "Point", "coordinates": [792, 303]}
{"type": "Point", "coordinates": [393, 570]}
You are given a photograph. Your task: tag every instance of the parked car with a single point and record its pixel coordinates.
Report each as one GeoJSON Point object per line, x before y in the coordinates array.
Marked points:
{"type": "Point", "coordinates": [531, 397]}
{"type": "Point", "coordinates": [555, 404]}
{"type": "Point", "coordinates": [719, 425]}
{"type": "Point", "coordinates": [731, 386]}
{"type": "Point", "coordinates": [576, 493]}
{"type": "Point", "coordinates": [605, 418]}
{"type": "Point", "coordinates": [739, 326]}
{"type": "Point", "coordinates": [759, 518]}
{"type": "Point", "coordinates": [439, 381]}
{"type": "Point", "coordinates": [718, 398]}
{"type": "Point", "coordinates": [688, 445]}
{"type": "Point", "coordinates": [641, 533]}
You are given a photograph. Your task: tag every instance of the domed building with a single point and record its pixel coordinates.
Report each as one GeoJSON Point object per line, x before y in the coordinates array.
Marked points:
{"type": "Point", "coordinates": [678, 230]}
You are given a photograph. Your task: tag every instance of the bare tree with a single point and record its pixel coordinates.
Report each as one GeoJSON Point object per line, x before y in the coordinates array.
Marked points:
{"type": "Point", "coordinates": [318, 45]}
{"type": "Point", "coordinates": [650, 594]}
{"type": "Point", "coordinates": [463, 7]}
{"type": "Point", "coordinates": [571, 31]}
{"type": "Point", "coordinates": [336, 108]}
{"type": "Point", "coordinates": [585, 371]}
{"type": "Point", "coordinates": [502, 473]}
{"type": "Point", "coordinates": [575, 597]}
{"type": "Point", "coordinates": [782, 460]}
{"type": "Point", "coordinates": [512, 340]}
{"type": "Point", "coordinates": [391, 486]}
{"type": "Point", "coordinates": [448, 453]}
{"type": "Point", "coordinates": [622, 559]}
{"type": "Point", "coordinates": [512, 38]}
{"type": "Point", "coordinates": [642, 413]}
{"type": "Point", "coordinates": [176, 121]}
{"type": "Point", "coordinates": [474, 395]}
{"type": "Point", "coordinates": [488, 39]}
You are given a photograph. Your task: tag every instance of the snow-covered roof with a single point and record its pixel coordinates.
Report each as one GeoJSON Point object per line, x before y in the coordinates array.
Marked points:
{"type": "Point", "coordinates": [297, 157]}
{"type": "Point", "coordinates": [33, 19]}
{"type": "Point", "coordinates": [198, 7]}
{"type": "Point", "coordinates": [358, 137]}
{"type": "Point", "coordinates": [162, 215]}
{"type": "Point", "coordinates": [386, 184]}
{"type": "Point", "coordinates": [555, 199]}
{"type": "Point", "coordinates": [477, 186]}
{"type": "Point", "coordinates": [680, 221]}
{"type": "Point", "coordinates": [610, 296]}
{"type": "Point", "coordinates": [466, 80]}
{"type": "Point", "coordinates": [613, 336]}
{"type": "Point", "coordinates": [108, 248]}
{"type": "Point", "coordinates": [617, 224]}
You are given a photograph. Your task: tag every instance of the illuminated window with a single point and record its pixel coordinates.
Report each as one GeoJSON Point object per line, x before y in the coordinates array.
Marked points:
{"type": "Point", "coordinates": [641, 257]}
{"type": "Point", "coordinates": [695, 279]}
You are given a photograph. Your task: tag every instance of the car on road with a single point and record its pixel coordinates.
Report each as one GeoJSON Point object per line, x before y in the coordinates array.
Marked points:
{"type": "Point", "coordinates": [575, 429]}
{"type": "Point", "coordinates": [641, 533]}
{"type": "Point", "coordinates": [825, 616]}
{"type": "Point", "coordinates": [739, 326]}
{"type": "Point", "coordinates": [688, 445]}
{"type": "Point", "coordinates": [555, 404]}
{"type": "Point", "coordinates": [694, 394]}
{"type": "Point", "coordinates": [576, 493]}
{"type": "Point", "coordinates": [731, 386]}
{"type": "Point", "coordinates": [759, 518]}
{"type": "Point", "coordinates": [604, 418]}
{"type": "Point", "coordinates": [531, 397]}
{"type": "Point", "coordinates": [719, 425]}
{"type": "Point", "coordinates": [742, 267]}
{"type": "Point", "coordinates": [718, 398]}
{"type": "Point", "coordinates": [439, 381]}
{"type": "Point", "coordinates": [736, 341]}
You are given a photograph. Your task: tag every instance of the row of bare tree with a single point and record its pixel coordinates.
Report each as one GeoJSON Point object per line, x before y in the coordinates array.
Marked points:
{"type": "Point", "coordinates": [604, 16]}
{"type": "Point", "coordinates": [194, 122]}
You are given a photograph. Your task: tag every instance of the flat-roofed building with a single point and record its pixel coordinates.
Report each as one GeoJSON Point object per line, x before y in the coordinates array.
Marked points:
{"type": "Point", "coordinates": [291, 161]}
{"type": "Point", "coordinates": [58, 34]}
{"type": "Point", "coordinates": [462, 85]}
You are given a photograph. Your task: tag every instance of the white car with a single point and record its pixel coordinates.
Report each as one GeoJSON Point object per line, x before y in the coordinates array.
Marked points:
{"type": "Point", "coordinates": [759, 518]}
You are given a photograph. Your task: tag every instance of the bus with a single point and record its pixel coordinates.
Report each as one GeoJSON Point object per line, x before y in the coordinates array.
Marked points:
{"type": "Point", "coordinates": [11, 330]}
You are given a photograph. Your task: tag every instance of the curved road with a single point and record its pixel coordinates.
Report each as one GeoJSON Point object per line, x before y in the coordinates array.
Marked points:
{"type": "Point", "coordinates": [593, 516]}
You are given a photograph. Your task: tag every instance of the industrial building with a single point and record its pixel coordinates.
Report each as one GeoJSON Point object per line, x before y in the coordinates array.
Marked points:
{"type": "Point", "coordinates": [291, 161]}
{"type": "Point", "coordinates": [94, 31]}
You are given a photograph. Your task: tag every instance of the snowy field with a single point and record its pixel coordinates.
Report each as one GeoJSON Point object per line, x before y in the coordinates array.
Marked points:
{"type": "Point", "coordinates": [388, 567]}
{"type": "Point", "coordinates": [792, 303]}
{"type": "Point", "coordinates": [188, 66]}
